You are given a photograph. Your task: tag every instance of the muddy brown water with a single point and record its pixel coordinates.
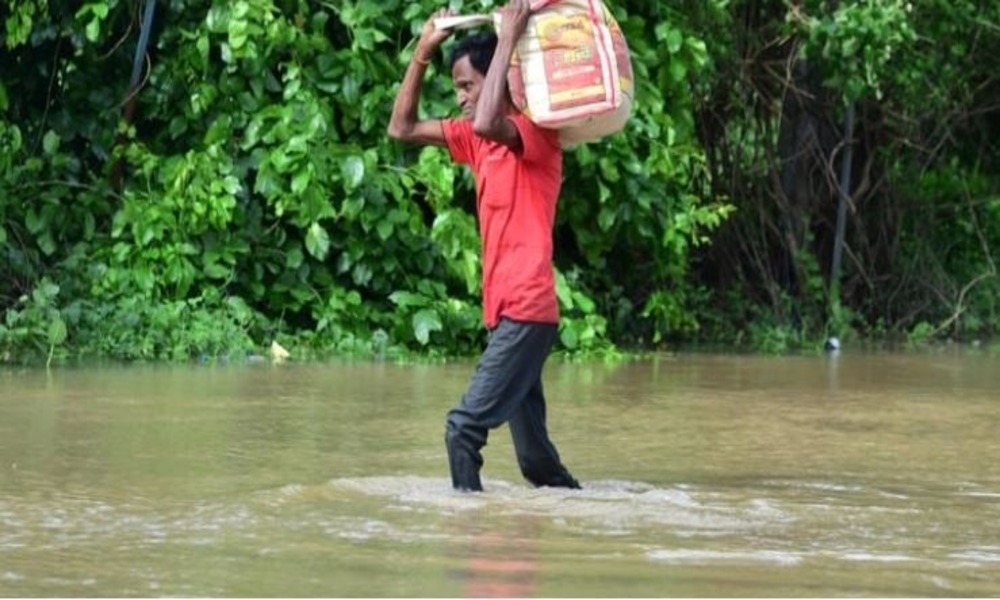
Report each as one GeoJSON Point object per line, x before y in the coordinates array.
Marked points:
{"type": "Point", "coordinates": [704, 475]}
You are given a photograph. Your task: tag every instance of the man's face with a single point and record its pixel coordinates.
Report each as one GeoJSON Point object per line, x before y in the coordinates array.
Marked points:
{"type": "Point", "coordinates": [468, 84]}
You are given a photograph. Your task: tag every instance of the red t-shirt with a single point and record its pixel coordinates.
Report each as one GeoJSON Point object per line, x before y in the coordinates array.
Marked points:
{"type": "Point", "coordinates": [516, 200]}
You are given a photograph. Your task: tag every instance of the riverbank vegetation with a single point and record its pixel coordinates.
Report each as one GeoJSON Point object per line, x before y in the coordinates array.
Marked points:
{"type": "Point", "coordinates": [199, 178]}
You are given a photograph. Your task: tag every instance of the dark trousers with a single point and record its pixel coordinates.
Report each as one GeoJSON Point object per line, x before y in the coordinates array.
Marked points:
{"type": "Point", "coordinates": [507, 388]}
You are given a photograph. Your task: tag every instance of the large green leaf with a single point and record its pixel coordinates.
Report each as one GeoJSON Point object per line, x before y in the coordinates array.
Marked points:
{"type": "Point", "coordinates": [317, 241]}
{"type": "Point", "coordinates": [354, 171]}
{"type": "Point", "coordinates": [424, 322]}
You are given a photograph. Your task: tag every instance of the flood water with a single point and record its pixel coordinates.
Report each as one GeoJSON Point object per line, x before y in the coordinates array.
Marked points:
{"type": "Point", "coordinates": [704, 475]}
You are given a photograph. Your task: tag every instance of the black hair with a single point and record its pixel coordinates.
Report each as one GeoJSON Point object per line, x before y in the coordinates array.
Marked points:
{"type": "Point", "coordinates": [479, 48]}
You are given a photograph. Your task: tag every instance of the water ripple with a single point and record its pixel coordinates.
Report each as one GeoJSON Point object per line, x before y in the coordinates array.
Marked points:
{"type": "Point", "coordinates": [712, 556]}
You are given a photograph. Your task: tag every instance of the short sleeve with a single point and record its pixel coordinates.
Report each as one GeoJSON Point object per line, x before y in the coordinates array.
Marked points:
{"type": "Point", "coordinates": [459, 136]}
{"type": "Point", "coordinates": [539, 143]}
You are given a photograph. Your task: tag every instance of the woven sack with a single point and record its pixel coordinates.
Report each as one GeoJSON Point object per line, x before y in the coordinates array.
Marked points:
{"type": "Point", "coordinates": [571, 69]}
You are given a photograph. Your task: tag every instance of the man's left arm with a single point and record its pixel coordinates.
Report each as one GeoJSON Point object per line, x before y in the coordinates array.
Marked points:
{"type": "Point", "coordinates": [491, 120]}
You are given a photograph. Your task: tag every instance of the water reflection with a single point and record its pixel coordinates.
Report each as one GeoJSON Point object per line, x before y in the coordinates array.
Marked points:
{"type": "Point", "coordinates": [499, 562]}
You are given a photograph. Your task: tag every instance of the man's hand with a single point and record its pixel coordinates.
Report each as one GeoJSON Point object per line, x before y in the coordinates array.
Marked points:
{"type": "Point", "coordinates": [431, 37]}
{"type": "Point", "coordinates": [405, 123]}
{"type": "Point", "coordinates": [514, 19]}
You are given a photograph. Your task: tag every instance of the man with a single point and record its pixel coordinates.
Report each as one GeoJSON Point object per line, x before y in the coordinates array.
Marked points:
{"type": "Point", "coordinates": [518, 171]}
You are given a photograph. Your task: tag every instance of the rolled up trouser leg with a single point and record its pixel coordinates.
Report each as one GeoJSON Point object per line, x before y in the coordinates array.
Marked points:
{"type": "Point", "coordinates": [509, 368]}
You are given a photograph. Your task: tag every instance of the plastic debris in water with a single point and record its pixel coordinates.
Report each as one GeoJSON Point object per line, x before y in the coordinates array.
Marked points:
{"type": "Point", "coordinates": [278, 353]}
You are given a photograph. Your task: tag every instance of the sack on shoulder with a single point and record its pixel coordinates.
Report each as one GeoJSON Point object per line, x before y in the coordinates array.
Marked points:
{"type": "Point", "coordinates": [571, 70]}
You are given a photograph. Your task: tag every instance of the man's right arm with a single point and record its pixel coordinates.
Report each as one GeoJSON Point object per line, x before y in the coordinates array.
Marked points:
{"type": "Point", "coordinates": [405, 124]}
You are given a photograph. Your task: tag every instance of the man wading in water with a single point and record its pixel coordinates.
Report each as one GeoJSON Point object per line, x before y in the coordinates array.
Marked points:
{"type": "Point", "coordinates": [518, 171]}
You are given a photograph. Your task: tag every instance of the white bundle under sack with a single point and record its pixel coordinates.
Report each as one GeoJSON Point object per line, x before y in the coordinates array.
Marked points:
{"type": "Point", "coordinates": [571, 70]}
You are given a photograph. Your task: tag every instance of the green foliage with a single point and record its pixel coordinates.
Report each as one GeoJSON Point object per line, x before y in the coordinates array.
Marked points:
{"type": "Point", "coordinates": [920, 334]}
{"type": "Point", "coordinates": [640, 204]}
{"type": "Point", "coordinates": [207, 328]}
{"type": "Point", "coordinates": [921, 77]}
{"type": "Point", "coordinates": [246, 190]}
{"type": "Point", "coordinates": [581, 328]}
{"type": "Point", "coordinates": [949, 245]}
{"type": "Point", "coordinates": [255, 166]}
{"type": "Point", "coordinates": [21, 19]}
{"type": "Point", "coordinates": [45, 324]}
{"type": "Point", "coordinates": [857, 43]}
{"type": "Point", "coordinates": [37, 328]}
{"type": "Point", "coordinates": [774, 338]}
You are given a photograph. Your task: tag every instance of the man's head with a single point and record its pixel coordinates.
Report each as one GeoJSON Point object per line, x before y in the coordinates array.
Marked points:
{"type": "Point", "coordinates": [470, 61]}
